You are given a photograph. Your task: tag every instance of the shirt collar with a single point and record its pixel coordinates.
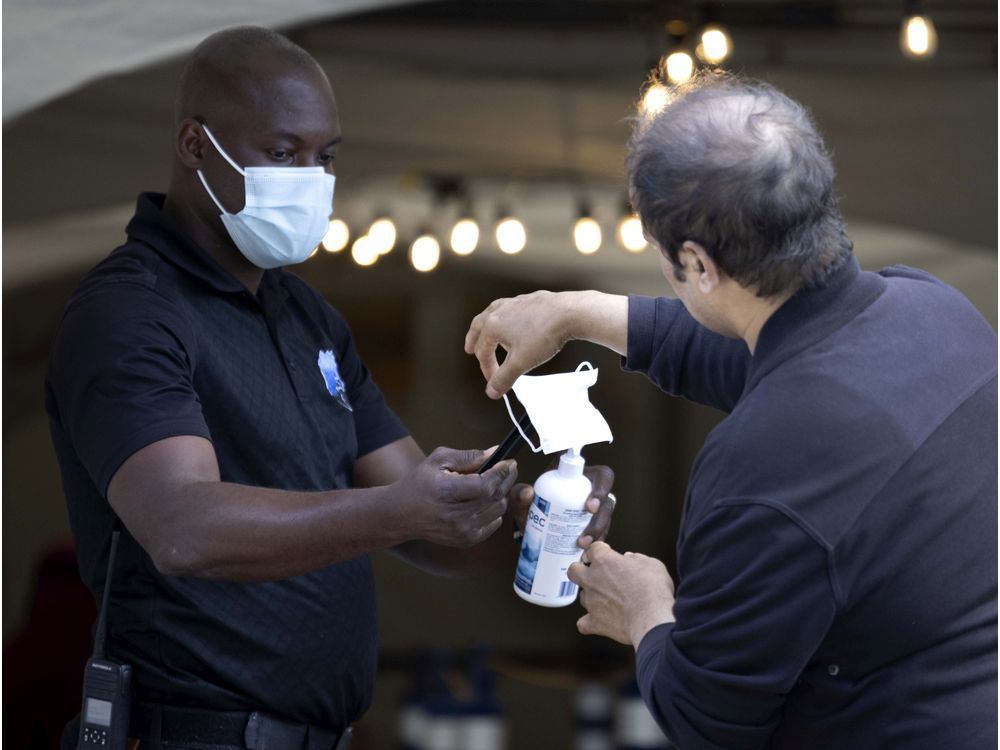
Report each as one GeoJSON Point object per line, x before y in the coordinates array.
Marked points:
{"type": "Point", "coordinates": [154, 228]}
{"type": "Point", "coordinates": [811, 315]}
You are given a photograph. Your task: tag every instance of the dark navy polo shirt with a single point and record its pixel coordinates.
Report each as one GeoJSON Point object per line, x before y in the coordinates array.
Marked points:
{"type": "Point", "coordinates": [159, 341]}
{"type": "Point", "coordinates": [837, 560]}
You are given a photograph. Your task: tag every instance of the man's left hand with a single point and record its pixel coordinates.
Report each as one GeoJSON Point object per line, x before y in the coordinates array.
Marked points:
{"type": "Point", "coordinates": [601, 503]}
{"type": "Point", "coordinates": [625, 596]}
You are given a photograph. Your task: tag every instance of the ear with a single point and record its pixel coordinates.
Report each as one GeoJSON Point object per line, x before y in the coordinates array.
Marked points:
{"type": "Point", "coordinates": [190, 143]}
{"type": "Point", "coordinates": [709, 275]}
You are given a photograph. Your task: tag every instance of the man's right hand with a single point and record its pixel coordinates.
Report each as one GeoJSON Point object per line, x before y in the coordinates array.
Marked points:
{"type": "Point", "coordinates": [533, 328]}
{"type": "Point", "coordinates": [446, 502]}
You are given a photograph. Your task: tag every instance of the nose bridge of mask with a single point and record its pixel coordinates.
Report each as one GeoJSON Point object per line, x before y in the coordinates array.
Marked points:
{"type": "Point", "coordinates": [560, 409]}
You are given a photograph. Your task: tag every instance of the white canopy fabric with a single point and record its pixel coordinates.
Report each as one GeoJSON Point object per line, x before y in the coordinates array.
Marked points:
{"type": "Point", "coordinates": [52, 47]}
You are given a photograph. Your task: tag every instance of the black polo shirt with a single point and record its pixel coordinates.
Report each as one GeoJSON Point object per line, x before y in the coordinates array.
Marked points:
{"type": "Point", "coordinates": [159, 341]}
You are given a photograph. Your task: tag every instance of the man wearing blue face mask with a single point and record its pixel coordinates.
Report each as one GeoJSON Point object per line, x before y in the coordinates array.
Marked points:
{"type": "Point", "coordinates": [216, 406]}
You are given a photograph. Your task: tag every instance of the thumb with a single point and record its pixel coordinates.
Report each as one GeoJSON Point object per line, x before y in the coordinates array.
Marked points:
{"type": "Point", "coordinates": [459, 461]}
{"type": "Point", "coordinates": [503, 379]}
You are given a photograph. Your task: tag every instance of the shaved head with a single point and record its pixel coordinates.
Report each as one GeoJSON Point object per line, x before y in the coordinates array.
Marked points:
{"type": "Point", "coordinates": [232, 66]}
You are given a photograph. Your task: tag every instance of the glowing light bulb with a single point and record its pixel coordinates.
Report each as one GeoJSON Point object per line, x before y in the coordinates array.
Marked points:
{"type": "Point", "coordinates": [464, 236]}
{"type": "Point", "coordinates": [918, 37]}
{"type": "Point", "coordinates": [336, 237]}
{"type": "Point", "coordinates": [587, 235]}
{"type": "Point", "coordinates": [679, 66]}
{"type": "Point", "coordinates": [657, 97]}
{"type": "Point", "coordinates": [363, 251]}
{"type": "Point", "coordinates": [715, 45]}
{"type": "Point", "coordinates": [511, 236]}
{"type": "Point", "coordinates": [425, 252]}
{"type": "Point", "coordinates": [630, 234]}
{"type": "Point", "coordinates": [382, 235]}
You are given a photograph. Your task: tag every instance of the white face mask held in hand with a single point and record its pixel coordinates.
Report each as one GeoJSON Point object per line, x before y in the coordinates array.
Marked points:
{"type": "Point", "coordinates": [560, 409]}
{"type": "Point", "coordinates": [286, 212]}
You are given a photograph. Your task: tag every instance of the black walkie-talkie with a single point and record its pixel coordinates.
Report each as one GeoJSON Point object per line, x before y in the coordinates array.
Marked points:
{"type": "Point", "coordinates": [107, 685]}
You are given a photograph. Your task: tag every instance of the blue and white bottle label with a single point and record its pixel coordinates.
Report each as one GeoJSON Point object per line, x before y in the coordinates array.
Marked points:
{"type": "Point", "coordinates": [548, 549]}
{"type": "Point", "coordinates": [531, 546]}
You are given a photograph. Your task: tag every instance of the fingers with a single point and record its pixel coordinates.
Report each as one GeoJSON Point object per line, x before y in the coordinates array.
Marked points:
{"type": "Point", "coordinates": [504, 377]}
{"type": "Point", "coordinates": [486, 353]}
{"type": "Point", "coordinates": [475, 330]}
{"type": "Point", "coordinates": [492, 486]}
{"type": "Point", "coordinates": [483, 343]}
{"type": "Point", "coordinates": [601, 503]}
{"type": "Point", "coordinates": [600, 522]}
{"type": "Point", "coordinates": [599, 551]}
{"type": "Point", "coordinates": [584, 625]}
{"type": "Point", "coordinates": [578, 573]}
{"type": "Point", "coordinates": [602, 479]}
{"type": "Point", "coordinates": [459, 461]}
{"type": "Point", "coordinates": [490, 512]}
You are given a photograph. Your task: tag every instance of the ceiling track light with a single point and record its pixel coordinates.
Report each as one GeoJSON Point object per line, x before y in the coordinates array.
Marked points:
{"type": "Point", "coordinates": [630, 234]}
{"type": "Point", "coordinates": [586, 232]}
{"type": "Point", "coordinates": [364, 252]}
{"type": "Point", "coordinates": [917, 34]}
{"type": "Point", "coordinates": [337, 236]}
{"type": "Point", "coordinates": [714, 45]}
{"type": "Point", "coordinates": [464, 237]}
{"type": "Point", "coordinates": [677, 66]}
{"type": "Point", "coordinates": [510, 234]}
{"type": "Point", "coordinates": [425, 252]}
{"type": "Point", "coordinates": [382, 234]}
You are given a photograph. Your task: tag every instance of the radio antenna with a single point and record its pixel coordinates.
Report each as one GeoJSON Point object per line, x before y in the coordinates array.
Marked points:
{"type": "Point", "coordinates": [100, 634]}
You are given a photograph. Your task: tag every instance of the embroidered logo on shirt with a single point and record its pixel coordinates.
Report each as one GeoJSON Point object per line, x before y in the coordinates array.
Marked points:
{"type": "Point", "coordinates": [331, 375]}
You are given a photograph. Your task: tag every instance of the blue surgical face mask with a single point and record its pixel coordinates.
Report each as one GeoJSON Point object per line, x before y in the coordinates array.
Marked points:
{"type": "Point", "coordinates": [285, 215]}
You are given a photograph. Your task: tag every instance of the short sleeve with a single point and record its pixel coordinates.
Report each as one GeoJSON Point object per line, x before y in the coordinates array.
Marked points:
{"type": "Point", "coordinates": [754, 603]}
{"type": "Point", "coordinates": [683, 357]}
{"type": "Point", "coordinates": [120, 376]}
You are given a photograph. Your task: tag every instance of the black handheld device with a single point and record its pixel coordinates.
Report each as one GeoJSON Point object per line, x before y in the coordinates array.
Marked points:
{"type": "Point", "coordinates": [107, 685]}
{"type": "Point", "coordinates": [510, 445]}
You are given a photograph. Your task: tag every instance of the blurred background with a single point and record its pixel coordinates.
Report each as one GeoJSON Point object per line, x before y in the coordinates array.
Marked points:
{"type": "Point", "coordinates": [512, 116]}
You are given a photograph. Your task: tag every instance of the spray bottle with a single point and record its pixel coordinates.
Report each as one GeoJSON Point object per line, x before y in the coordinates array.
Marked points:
{"type": "Point", "coordinates": [556, 520]}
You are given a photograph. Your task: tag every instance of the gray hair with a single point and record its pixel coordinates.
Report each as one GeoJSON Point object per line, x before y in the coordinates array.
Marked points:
{"type": "Point", "coordinates": [738, 167]}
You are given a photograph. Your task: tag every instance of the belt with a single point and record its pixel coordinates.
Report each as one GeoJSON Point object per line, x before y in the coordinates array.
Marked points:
{"type": "Point", "coordinates": [152, 723]}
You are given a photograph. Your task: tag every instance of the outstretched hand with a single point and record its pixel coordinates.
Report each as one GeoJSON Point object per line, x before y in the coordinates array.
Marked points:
{"type": "Point", "coordinates": [530, 328]}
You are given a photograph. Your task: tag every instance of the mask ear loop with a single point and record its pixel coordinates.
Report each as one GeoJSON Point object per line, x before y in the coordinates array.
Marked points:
{"type": "Point", "coordinates": [581, 366]}
{"type": "Point", "coordinates": [518, 426]}
{"type": "Point", "coordinates": [224, 156]}
{"type": "Point", "coordinates": [210, 193]}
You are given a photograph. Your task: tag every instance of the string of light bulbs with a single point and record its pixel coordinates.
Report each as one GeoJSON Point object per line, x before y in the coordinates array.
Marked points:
{"type": "Point", "coordinates": [510, 233]}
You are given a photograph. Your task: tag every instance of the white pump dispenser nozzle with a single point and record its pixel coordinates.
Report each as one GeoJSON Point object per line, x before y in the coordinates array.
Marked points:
{"type": "Point", "coordinates": [571, 463]}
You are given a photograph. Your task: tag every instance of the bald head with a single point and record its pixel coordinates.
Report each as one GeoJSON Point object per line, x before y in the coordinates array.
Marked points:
{"type": "Point", "coordinates": [231, 67]}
